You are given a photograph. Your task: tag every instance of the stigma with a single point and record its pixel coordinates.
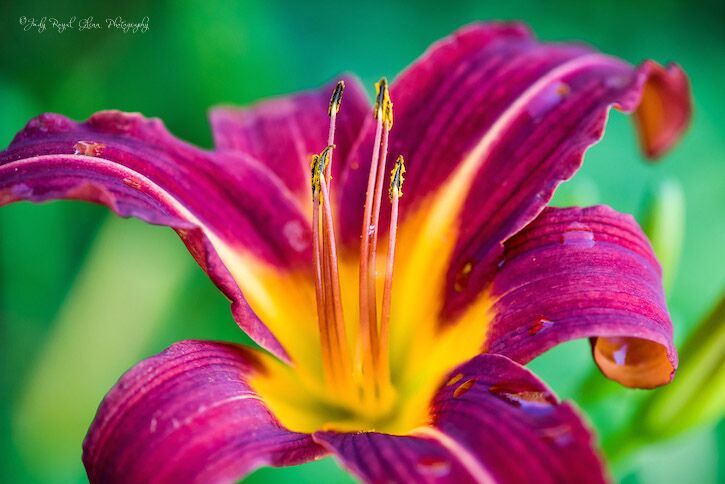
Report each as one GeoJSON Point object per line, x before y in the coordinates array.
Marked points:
{"type": "Point", "coordinates": [358, 374]}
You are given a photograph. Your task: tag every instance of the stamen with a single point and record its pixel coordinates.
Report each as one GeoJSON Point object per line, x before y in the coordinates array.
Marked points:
{"type": "Point", "coordinates": [336, 99]}
{"type": "Point", "coordinates": [395, 192]}
{"type": "Point", "coordinates": [368, 324]}
{"type": "Point", "coordinates": [338, 335]}
{"type": "Point", "coordinates": [325, 343]}
{"type": "Point", "coordinates": [383, 106]}
{"type": "Point", "coordinates": [333, 340]}
{"type": "Point", "coordinates": [332, 110]}
{"type": "Point", "coordinates": [386, 107]}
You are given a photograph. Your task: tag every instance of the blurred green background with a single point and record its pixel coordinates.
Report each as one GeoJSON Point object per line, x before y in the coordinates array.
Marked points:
{"type": "Point", "coordinates": [84, 296]}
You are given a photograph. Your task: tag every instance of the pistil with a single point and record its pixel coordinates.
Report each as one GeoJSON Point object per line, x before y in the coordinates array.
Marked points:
{"type": "Point", "coordinates": [336, 359]}
{"type": "Point", "coordinates": [323, 318]}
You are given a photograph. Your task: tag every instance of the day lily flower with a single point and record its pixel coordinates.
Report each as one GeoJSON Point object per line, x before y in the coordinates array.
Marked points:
{"type": "Point", "coordinates": [394, 328]}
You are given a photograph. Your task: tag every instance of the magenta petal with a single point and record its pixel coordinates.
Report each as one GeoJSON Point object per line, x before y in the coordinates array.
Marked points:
{"type": "Point", "coordinates": [137, 168]}
{"type": "Point", "coordinates": [516, 116]}
{"type": "Point", "coordinates": [188, 415]}
{"type": "Point", "coordinates": [284, 132]}
{"type": "Point", "coordinates": [493, 421]}
{"type": "Point", "coordinates": [584, 272]}
{"type": "Point", "coordinates": [384, 458]}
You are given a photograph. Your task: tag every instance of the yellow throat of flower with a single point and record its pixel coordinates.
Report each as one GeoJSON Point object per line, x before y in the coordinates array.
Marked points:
{"type": "Point", "coordinates": [359, 388]}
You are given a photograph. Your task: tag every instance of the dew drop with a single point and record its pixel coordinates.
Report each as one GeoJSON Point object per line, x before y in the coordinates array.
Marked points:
{"type": "Point", "coordinates": [50, 123]}
{"type": "Point", "coordinates": [533, 401]}
{"type": "Point", "coordinates": [578, 235]}
{"type": "Point", "coordinates": [548, 98]}
{"type": "Point", "coordinates": [434, 465]}
{"type": "Point", "coordinates": [114, 121]}
{"type": "Point", "coordinates": [561, 434]}
{"type": "Point", "coordinates": [22, 190]}
{"type": "Point", "coordinates": [153, 424]}
{"type": "Point", "coordinates": [463, 387]}
{"type": "Point", "coordinates": [540, 325]}
{"type": "Point", "coordinates": [89, 148]}
{"type": "Point", "coordinates": [501, 262]}
{"type": "Point", "coordinates": [132, 183]}
{"type": "Point", "coordinates": [620, 355]}
{"type": "Point", "coordinates": [616, 82]}
{"type": "Point", "coordinates": [563, 89]}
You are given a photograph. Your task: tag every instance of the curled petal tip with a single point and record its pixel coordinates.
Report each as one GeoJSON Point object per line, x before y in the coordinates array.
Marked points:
{"type": "Point", "coordinates": [665, 109]}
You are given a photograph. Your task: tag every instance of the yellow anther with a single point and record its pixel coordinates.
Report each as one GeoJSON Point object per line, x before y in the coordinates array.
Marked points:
{"type": "Point", "coordinates": [317, 168]}
{"type": "Point", "coordinates": [336, 98]}
{"type": "Point", "coordinates": [383, 104]}
{"type": "Point", "coordinates": [315, 172]}
{"type": "Point", "coordinates": [397, 177]}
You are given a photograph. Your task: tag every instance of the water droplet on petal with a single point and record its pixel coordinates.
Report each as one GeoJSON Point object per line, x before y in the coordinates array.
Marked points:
{"type": "Point", "coordinates": [534, 401]}
{"type": "Point", "coordinates": [616, 82]}
{"type": "Point", "coordinates": [434, 465]}
{"type": "Point", "coordinates": [132, 183]}
{"type": "Point", "coordinates": [540, 325]}
{"type": "Point", "coordinates": [153, 424]}
{"type": "Point", "coordinates": [501, 262]}
{"type": "Point", "coordinates": [88, 148]}
{"type": "Point", "coordinates": [21, 190]}
{"type": "Point", "coordinates": [578, 235]}
{"type": "Point", "coordinates": [464, 387]}
{"type": "Point", "coordinates": [561, 434]}
{"type": "Point", "coordinates": [49, 123]}
{"type": "Point", "coordinates": [620, 355]}
{"type": "Point", "coordinates": [548, 98]}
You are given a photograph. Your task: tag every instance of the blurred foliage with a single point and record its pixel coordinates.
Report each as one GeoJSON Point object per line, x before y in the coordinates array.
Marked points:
{"type": "Point", "coordinates": [697, 397]}
{"type": "Point", "coordinates": [663, 220]}
{"type": "Point", "coordinates": [65, 270]}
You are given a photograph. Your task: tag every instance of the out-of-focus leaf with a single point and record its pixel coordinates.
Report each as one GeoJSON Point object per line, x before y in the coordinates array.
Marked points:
{"type": "Point", "coordinates": [697, 394]}
{"type": "Point", "coordinates": [663, 220]}
{"type": "Point", "coordinates": [120, 298]}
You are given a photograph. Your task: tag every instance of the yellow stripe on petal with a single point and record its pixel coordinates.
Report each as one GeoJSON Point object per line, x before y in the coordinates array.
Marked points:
{"type": "Point", "coordinates": [284, 300]}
